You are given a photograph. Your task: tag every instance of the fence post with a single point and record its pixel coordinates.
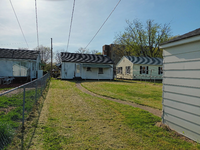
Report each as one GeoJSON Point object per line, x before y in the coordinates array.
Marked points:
{"type": "Point", "coordinates": [40, 87]}
{"type": "Point", "coordinates": [24, 91]}
{"type": "Point", "coordinates": [36, 91]}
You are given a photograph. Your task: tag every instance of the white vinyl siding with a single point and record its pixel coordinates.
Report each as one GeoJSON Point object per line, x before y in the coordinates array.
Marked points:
{"type": "Point", "coordinates": [19, 67]}
{"type": "Point", "coordinates": [181, 89]}
{"type": "Point", "coordinates": [68, 70]}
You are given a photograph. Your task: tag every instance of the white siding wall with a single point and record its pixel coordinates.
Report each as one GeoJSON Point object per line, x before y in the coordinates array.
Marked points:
{"type": "Point", "coordinates": [123, 63]}
{"type": "Point", "coordinates": [181, 89]}
{"type": "Point", "coordinates": [13, 68]}
{"type": "Point", "coordinates": [94, 73]}
{"type": "Point", "coordinates": [68, 70]}
{"type": "Point", "coordinates": [135, 70]}
{"type": "Point", "coordinates": [6, 68]}
{"type": "Point", "coordinates": [152, 73]}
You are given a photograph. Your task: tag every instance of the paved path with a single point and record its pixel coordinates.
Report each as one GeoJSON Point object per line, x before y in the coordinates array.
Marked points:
{"type": "Point", "coordinates": [156, 112]}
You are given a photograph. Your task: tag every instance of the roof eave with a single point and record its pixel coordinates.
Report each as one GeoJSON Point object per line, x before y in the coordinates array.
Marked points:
{"type": "Point", "coordinates": [181, 42]}
{"type": "Point", "coordinates": [86, 62]}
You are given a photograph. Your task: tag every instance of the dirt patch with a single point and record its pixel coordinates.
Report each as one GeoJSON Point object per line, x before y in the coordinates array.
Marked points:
{"type": "Point", "coordinates": [7, 110]}
{"type": "Point", "coordinates": [12, 85]}
{"type": "Point", "coordinates": [156, 112]}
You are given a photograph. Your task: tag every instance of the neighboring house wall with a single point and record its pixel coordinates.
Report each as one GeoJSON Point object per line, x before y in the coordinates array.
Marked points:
{"type": "Point", "coordinates": [69, 71]}
{"type": "Point", "coordinates": [153, 70]}
{"type": "Point", "coordinates": [124, 62]}
{"type": "Point", "coordinates": [19, 63]}
{"type": "Point", "coordinates": [6, 68]}
{"type": "Point", "coordinates": [181, 87]}
{"type": "Point", "coordinates": [18, 68]}
{"type": "Point", "coordinates": [94, 73]}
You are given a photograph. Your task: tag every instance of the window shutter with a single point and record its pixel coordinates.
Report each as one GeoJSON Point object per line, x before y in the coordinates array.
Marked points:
{"type": "Point", "coordinates": [158, 70]}
{"type": "Point", "coordinates": [140, 69]}
{"type": "Point", "coordinates": [147, 70]}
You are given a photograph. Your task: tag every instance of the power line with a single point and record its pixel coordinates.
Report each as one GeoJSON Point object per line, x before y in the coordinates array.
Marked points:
{"type": "Point", "coordinates": [19, 23]}
{"type": "Point", "coordinates": [70, 25]}
{"type": "Point", "coordinates": [36, 23]}
{"type": "Point", "coordinates": [9, 43]}
{"type": "Point", "coordinates": [103, 24]}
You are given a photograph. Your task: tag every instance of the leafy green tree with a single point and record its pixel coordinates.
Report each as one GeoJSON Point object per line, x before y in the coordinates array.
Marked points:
{"type": "Point", "coordinates": [142, 40]}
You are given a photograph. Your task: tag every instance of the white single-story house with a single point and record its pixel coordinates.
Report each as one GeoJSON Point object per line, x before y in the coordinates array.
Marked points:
{"type": "Point", "coordinates": [181, 84]}
{"type": "Point", "coordinates": [19, 63]}
{"type": "Point", "coordinates": [86, 66]}
{"type": "Point", "coordinates": [132, 67]}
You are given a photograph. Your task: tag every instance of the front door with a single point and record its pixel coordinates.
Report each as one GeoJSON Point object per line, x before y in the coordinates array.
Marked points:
{"type": "Point", "coordinates": [78, 70]}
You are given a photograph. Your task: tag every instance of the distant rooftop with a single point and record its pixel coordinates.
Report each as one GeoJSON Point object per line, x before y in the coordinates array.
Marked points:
{"type": "Point", "coordinates": [85, 58]}
{"type": "Point", "coordinates": [184, 36]}
{"type": "Point", "coordinates": [145, 60]}
{"type": "Point", "coordinates": [18, 54]}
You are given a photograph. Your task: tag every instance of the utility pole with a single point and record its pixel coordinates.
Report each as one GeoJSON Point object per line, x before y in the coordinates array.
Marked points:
{"type": "Point", "coordinates": [51, 56]}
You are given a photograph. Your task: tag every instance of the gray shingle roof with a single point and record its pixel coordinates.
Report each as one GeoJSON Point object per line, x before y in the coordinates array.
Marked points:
{"type": "Point", "coordinates": [85, 58]}
{"type": "Point", "coordinates": [19, 54]}
{"type": "Point", "coordinates": [145, 60]}
{"type": "Point", "coordinates": [184, 36]}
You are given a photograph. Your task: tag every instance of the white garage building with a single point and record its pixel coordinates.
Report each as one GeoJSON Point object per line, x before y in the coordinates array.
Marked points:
{"type": "Point", "coordinates": [181, 84]}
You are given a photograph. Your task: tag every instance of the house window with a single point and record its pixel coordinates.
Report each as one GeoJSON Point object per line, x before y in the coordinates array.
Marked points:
{"type": "Point", "coordinates": [100, 70]}
{"type": "Point", "coordinates": [88, 68]}
{"type": "Point", "coordinates": [160, 70]}
{"type": "Point", "coordinates": [144, 70]}
{"type": "Point", "coordinates": [119, 70]}
{"type": "Point", "coordinates": [128, 69]}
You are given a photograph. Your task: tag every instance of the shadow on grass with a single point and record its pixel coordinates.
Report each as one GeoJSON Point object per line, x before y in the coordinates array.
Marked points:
{"type": "Point", "coordinates": [25, 134]}
{"type": "Point", "coordinates": [43, 97]}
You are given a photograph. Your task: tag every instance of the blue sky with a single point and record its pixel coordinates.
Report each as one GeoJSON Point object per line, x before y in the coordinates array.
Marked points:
{"type": "Point", "coordinates": [54, 18]}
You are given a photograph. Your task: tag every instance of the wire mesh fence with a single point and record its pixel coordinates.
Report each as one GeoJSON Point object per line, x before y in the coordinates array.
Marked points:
{"type": "Point", "coordinates": [17, 106]}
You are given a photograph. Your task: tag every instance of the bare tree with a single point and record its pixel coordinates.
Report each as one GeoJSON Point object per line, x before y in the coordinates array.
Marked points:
{"type": "Point", "coordinates": [22, 48]}
{"type": "Point", "coordinates": [58, 57]}
{"type": "Point", "coordinates": [45, 53]}
{"type": "Point", "coordinates": [82, 51]}
{"type": "Point", "coordinates": [94, 52]}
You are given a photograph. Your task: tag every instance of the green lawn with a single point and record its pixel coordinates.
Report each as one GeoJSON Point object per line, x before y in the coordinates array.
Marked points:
{"type": "Point", "coordinates": [71, 119]}
{"type": "Point", "coordinates": [143, 93]}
